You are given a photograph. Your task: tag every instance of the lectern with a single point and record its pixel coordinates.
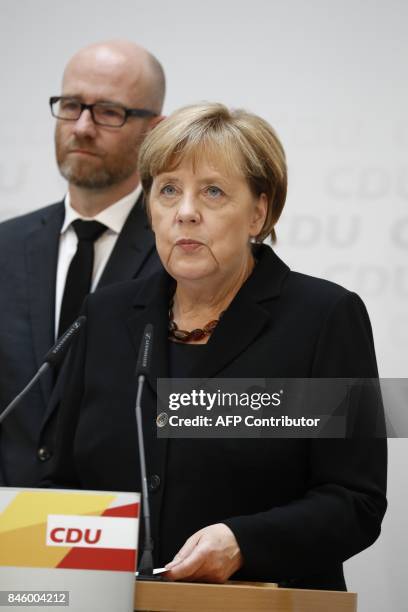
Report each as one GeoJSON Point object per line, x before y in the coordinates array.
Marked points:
{"type": "Point", "coordinates": [237, 597]}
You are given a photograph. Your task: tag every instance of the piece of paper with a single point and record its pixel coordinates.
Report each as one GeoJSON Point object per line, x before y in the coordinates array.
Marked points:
{"type": "Point", "coordinates": [156, 570]}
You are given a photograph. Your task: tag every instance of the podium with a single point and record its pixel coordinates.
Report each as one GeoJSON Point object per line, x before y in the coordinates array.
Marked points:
{"type": "Point", "coordinates": [237, 597]}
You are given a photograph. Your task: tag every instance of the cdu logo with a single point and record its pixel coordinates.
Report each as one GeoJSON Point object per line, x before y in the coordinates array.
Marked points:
{"type": "Point", "coordinates": [62, 535]}
{"type": "Point", "coordinates": [91, 531]}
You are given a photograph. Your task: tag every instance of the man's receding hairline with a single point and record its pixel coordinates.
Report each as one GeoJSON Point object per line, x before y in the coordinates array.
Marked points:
{"type": "Point", "coordinates": [151, 69]}
{"type": "Point", "coordinates": [157, 82]}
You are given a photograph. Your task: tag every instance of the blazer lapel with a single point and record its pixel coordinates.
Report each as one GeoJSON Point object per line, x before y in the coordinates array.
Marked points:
{"type": "Point", "coordinates": [232, 338]}
{"type": "Point", "coordinates": [246, 317]}
{"type": "Point", "coordinates": [134, 244]}
{"type": "Point", "coordinates": [151, 306]}
{"type": "Point", "coordinates": [41, 248]}
{"type": "Point", "coordinates": [242, 323]}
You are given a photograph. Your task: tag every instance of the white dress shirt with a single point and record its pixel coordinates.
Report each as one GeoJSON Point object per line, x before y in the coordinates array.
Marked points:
{"type": "Point", "coordinates": [114, 218]}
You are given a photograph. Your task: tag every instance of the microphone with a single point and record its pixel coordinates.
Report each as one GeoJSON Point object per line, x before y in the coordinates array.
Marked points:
{"type": "Point", "coordinates": [145, 352]}
{"type": "Point", "coordinates": [51, 360]}
{"type": "Point", "coordinates": [145, 567]}
{"type": "Point", "coordinates": [57, 353]}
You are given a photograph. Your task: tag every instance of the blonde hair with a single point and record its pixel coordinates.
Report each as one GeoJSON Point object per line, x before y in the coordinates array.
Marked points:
{"type": "Point", "coordinates": [240, 141]}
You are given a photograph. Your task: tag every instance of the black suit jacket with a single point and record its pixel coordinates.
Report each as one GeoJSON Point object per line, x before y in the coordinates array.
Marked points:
{"type": "Point", "coordinates": [28, 262]}
{"type": "Point", "coordinates": [298, 507]}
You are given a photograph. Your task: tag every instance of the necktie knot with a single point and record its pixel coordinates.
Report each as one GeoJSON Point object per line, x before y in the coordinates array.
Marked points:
{"type": "Point", "coordinates": [88, 230]}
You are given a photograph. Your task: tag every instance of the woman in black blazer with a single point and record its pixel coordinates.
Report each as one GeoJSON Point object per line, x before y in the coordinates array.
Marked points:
{"type": "Point", "coordinates": [286, 510]}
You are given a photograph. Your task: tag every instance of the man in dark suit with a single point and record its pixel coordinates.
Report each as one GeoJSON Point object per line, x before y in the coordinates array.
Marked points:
{"type": "Point", "coordinates": [112, 95]}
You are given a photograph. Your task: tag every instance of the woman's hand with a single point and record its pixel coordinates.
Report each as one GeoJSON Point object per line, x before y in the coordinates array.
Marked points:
{"type": "Point", "coordinates": [209, 555]}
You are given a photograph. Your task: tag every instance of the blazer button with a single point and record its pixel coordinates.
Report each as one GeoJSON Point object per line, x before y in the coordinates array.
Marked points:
{"type": "Point", "coordinates": [43, 453]}
{"type": "Point", "coordinates": [154, 483]}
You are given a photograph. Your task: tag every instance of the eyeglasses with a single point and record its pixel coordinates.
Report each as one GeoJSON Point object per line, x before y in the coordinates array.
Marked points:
{"type": "Point", "coordinates": [102, 113]}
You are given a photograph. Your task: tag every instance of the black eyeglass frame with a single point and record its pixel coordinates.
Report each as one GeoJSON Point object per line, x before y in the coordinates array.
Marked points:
{"type": "Point", "coordinates": [129, 112]}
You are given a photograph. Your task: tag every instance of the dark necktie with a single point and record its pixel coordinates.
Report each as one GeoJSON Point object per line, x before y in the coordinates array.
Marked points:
{"type": "Point", "coordinates": [79, 276]}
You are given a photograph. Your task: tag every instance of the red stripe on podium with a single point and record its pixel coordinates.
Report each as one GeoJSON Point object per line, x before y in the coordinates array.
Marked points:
{"type": "Point", "coordinates": [108, 559]}
{"type": "Point", "coordinates": [128, 511]}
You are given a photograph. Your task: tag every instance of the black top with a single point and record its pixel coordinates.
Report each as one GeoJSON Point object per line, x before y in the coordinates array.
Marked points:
{"type": "Point", "coordinates": [183, 357]}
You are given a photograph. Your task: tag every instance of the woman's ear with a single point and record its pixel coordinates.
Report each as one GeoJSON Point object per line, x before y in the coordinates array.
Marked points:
{"type": "Point", "coordinates": [259, 215]}
{"type": "Point", "coordinates": [148, 210]}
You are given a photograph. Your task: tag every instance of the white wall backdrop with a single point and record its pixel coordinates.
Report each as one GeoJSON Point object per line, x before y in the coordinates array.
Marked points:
{"type": "Point", "coordinates": [331, 76]}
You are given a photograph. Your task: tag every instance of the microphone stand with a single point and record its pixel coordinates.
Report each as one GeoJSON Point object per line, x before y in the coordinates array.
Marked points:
{"type": "Point", "coordinates": [53, 358]}
{"type": "Point", "coordinates": [145, 567]}
{"type": "Point", "coordinates": [45, 366]}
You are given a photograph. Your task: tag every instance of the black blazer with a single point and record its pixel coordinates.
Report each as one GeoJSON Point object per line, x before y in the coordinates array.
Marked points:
{"type": "Point", "coordinates": [297, 507]}
{"type": "Point", "coordinates": [28, 263]}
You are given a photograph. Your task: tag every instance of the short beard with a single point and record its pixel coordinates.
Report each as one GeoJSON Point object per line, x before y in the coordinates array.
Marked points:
{"type": "Point", "coordinates": [112, 171]}
{"type": "Point", "coordinates": [99, 179]}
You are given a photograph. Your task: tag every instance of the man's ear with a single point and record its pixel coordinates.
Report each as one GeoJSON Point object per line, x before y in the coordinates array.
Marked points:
{"type": "Point", "coordinates": [156, 120]}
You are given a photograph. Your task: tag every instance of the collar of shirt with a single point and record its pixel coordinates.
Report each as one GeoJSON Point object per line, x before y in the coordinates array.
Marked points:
{"type": "Point", "coordinates": [114, 216]}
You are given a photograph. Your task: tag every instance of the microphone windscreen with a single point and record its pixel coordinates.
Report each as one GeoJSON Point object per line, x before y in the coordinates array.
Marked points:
{"type": "Point", "coordinates": [145, 351]}
{"type": "Point", "coordinates": [57, 353]}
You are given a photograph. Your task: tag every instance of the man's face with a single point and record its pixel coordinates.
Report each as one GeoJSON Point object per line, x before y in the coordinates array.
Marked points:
{"type": "Point", "coordinates": [93, 156]}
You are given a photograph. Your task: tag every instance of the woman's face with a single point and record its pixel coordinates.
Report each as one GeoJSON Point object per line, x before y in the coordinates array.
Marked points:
{"type": "Point", "coordinates": [203, 219]}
